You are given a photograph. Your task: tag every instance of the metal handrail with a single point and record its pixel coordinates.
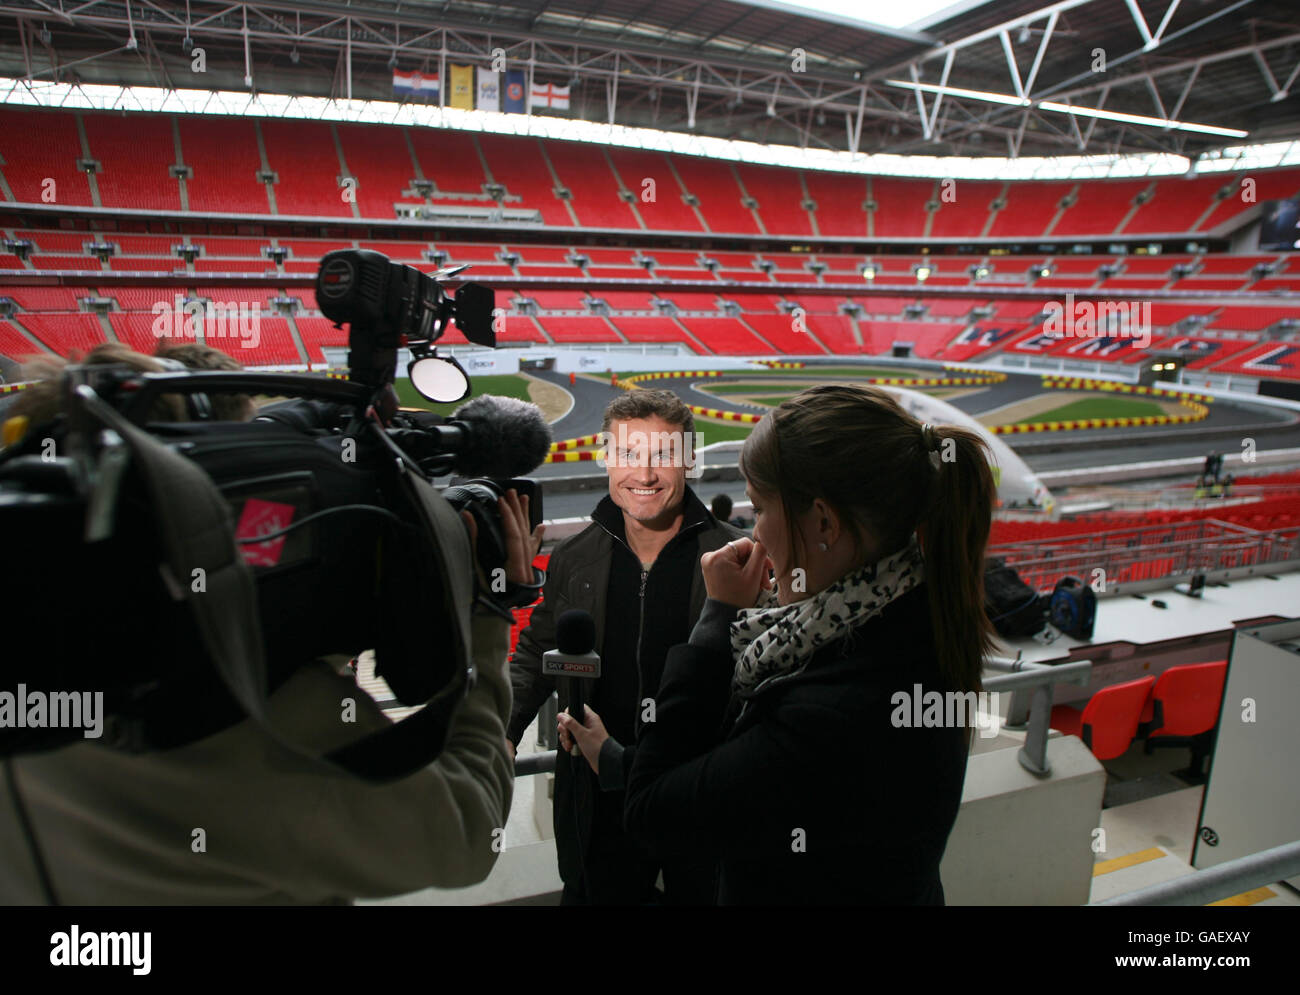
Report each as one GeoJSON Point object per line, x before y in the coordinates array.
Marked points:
{"type": "Point", "coordinates": [1021, 675]}
{"type": "Point", "coordinates": [1214, 883]}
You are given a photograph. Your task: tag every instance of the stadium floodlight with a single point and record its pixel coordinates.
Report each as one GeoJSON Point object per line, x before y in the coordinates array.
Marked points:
{"type": "Point", "coordinates": [923, 273]}
{"type": "Point", "coordinates": [869, 271]}
{"type": "Point", "coordinates": [1164, 124]}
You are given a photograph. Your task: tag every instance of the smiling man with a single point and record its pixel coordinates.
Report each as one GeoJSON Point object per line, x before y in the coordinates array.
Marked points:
{"type": "Point", "coordinates": [636, 569]}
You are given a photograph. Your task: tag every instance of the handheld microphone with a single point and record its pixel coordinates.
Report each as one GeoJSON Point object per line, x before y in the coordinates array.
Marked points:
{"type": "Point", "coordinates": [574, 658]}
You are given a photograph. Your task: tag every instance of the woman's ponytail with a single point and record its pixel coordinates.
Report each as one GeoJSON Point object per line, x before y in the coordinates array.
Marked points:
{"type": "Point", "coordinates": [954, 533]}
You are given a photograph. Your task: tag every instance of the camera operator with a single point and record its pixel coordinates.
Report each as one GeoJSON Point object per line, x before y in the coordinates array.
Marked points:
{"type": "Point", "coordinates": [238, 817]}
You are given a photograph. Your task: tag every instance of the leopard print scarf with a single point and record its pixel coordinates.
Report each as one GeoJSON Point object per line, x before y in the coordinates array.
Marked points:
{"type": "Point", "coordinates": [774, 640]}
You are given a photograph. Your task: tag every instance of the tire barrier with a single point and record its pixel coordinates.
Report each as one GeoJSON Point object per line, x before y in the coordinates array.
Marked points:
{"type": "Point", "coordinates": [1085, 383]}
{"type": "Point", "coordinates": [725, 415]}
{"type": "Point", "coordinates": [1198, 413]}
{"type": "Point", "coordinates": [10, 388]}
{"type": "Point", "coordinates": [582, 457]}
{"type": "Point", "coordinates": [773, 364]}
{"type": "Point", "coordinates": [576, 443]}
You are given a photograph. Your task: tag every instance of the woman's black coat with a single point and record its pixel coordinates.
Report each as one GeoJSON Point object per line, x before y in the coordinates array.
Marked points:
{"type": "Point", "coordinates": [814, 793]}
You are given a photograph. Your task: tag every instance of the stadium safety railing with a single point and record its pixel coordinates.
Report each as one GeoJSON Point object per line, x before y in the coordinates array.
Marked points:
{"type": "Point", "coordinates": [1149, 553]}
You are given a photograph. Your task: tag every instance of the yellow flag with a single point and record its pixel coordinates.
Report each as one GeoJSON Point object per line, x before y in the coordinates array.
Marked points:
{"type": "Point", "coordinates": [462, 87]}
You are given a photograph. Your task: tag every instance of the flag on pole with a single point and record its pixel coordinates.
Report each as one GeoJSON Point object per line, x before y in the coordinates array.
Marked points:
{"type": "Point", "coordinates": [415, 84]}
{"type": "Point", "coordinates": [462, 87]}
{"type": "Point", "coordinates": [489, 91]}
{"type": "Point", "coordinates": [549, 95]}
{"type": "Point", "coordinates": [514, 95]}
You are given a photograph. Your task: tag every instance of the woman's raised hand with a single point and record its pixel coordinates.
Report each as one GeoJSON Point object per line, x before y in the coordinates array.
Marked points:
{"type": "Point", "coordinates": [736, 573]}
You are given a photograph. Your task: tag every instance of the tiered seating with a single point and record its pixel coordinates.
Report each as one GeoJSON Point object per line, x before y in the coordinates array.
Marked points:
{"type": "Point", "coordinates": [66, 263]}
{"type": "Point", "coordinates": [398, 251]}
{"type": "Point", "coordinates": [726, 336]}
{"type": "Point", "coordinates": [519, 164]}
{"type": "Point", "coordinates": [1202, 353]}
{"type": "Point", "coordinates": [450, 163]}
{"type": "Point", "coordinates": [839, 199]}
{"type": "Point", "coordinates": [222, 152]}
{"type": "Point", "coordinates": [625, 301]}
{"type": "Point", "coordinates": [259, 295]}
{"type": "Point", "coordinates": [274, 344]}
{"type": "Point", "coordinates": [558, 300]}
{"type": "Point", "coordinates": [1269, 359]}
{"type": "Point", "coordinates": [1252, 318]}
{"type": "Point", "coordinates": [981, 337]}
{"type": "Point", "coordinates": [135, 153]}
{"type": "Point", "coordinates": [950, 307]}
{"type": "Point", "coordinates": [928, 338]}
{"type": "Point", "coordinates": [1211, 285]}
{"type": "Point", "coordinates": [28, 164]}
{"type": "Point", "coordinates": [563, 328]}
{"type": "Point", "coordinates": [64, 333]}
{"type": "Point", "coordinates": [1100, 208]}
{"type": "Point", "coordinates": [583, 170]}
{"type": "Point", "coordinates": [648, 329]}
{"type": "Point", "coordinates": [46, 298]}
{"type": "Point", "coordinates": [1270, 184]}
{"type": "Point", "coordinates": [779, 197]}
{"type": "Point", "coordinates": [1030, 209]}
{"type": "Point", "coordinates": [712, 182]}
{"type": "Point", "coordinates": [317, 332]}
{"type": "Point", "coordinates": [968, 212]}
{"type": "Point", "coordinates": [150, 264]}
{"type": "Point", "coordinates": [1176, 206]}
{"type": "Point", "coordinates": [379, 159]}
{"type": "Point", "coordinates": [833, 330]}
{"type": "Point", "coordinates": [519, 328]}
{"type": "Point", "coordinates": [137, 331]}
{"type": "Point", "coordinates": [900, 206]}
{"type": "Point", "coordinates": [690, 302]}
{"type": "Point", "coordinates": [141, 298]}
{"type": "Point", "coordinates": [779, 330]}
{"type": "Point", "coordinates": [306, 160]}
{"type": "Point", "coordinates": [15, 345]}
{"type": "Point", "coordinates": [667, 212]}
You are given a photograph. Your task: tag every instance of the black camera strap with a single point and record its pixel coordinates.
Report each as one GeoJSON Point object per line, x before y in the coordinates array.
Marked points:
{"type": "Point", "coordinates": [195, 527]}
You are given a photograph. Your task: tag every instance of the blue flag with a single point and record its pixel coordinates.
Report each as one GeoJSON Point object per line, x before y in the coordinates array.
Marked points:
{"type": "Point", "coordinates": [515, 93]}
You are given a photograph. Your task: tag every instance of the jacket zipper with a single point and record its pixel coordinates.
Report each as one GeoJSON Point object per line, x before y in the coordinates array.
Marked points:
{"type": "Point", "coordinates": [640, 634]}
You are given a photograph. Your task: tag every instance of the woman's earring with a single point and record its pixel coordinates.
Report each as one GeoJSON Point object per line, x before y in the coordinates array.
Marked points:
{"type": "Point", "coordinates": [822, 546]}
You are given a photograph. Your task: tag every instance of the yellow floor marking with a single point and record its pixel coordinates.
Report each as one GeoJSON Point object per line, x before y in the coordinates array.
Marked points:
{"type": "Point", "coordinates": [1247, 897]}
{"type": "Point", "coordinates": [1119, 863]}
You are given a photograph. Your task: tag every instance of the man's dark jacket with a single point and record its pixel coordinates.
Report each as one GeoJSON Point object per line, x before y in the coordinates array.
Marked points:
{"type": "Point", "coordinates": [812, 794]}
{"type": "Point", "coordinates": [578, 577]}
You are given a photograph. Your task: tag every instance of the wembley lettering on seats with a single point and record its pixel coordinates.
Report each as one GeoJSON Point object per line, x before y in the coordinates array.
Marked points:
{"type": "Point", "coordinates": [77, 949]}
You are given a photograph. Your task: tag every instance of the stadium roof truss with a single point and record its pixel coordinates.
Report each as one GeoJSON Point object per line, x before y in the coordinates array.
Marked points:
{"type": "Point", "coordinates": [1179, 77]}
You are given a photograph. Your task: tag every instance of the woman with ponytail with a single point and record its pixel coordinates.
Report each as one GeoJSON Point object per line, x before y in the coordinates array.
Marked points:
{"type": "Point", "coordinates": [791, 740]}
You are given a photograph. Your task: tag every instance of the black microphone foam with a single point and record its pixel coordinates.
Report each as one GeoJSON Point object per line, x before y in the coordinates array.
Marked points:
{"type": "Point", "coordinates": [508, 437]}
{"type": "Point", "coordinates": [575, 632]}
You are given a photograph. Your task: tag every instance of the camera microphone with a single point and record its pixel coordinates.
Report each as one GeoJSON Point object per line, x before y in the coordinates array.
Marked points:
{"type": "Point", "coordinates": [496, 437]}
{"type": "Point", "coordinates": [574, 658]}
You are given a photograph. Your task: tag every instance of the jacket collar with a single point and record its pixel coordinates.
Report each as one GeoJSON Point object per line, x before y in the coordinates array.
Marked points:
{"type": "Point", "coordinates": [695, 516]}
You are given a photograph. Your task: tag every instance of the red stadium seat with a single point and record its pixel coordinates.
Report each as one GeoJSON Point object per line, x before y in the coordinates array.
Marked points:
{"type": "Point", "coordinates": [1109, 721]}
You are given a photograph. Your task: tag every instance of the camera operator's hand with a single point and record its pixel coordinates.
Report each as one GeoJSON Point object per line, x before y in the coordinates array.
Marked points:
{"type": "Point", "coordinates": [522, 546]}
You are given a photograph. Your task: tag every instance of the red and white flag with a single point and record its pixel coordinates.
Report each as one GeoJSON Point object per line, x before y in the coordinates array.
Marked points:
{"type": "Point", "coordinates": [549, 95]}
